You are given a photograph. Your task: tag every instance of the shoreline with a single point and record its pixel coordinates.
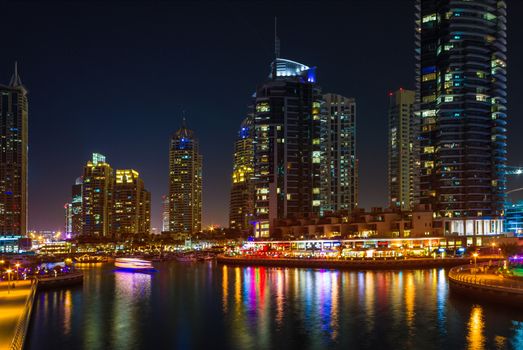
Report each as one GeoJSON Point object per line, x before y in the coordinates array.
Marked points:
{"type": "Point", "coordinates": [356, 264]}
{"type": "Point", "coordinates": [487, 288]}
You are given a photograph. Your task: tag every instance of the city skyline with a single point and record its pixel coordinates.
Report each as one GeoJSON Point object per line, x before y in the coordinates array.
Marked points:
{"type": "Point", "coordinates": [372, 122]}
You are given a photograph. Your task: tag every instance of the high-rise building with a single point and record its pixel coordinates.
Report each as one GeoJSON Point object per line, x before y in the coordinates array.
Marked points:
{"type": "Point", "coordinates": [68, 207]}
{"type": "Point", "coordinates": [241, 209]}
{"type": "Point", "coordinates": [165, 213]}
{"type": "Point", "coordinates": [338, 154]}
{"type": "Point", "coordinates": [13, 157]}
{"type": "Point", "coordinates": [287, 152]}
{"type": "Point", "coordinates": [185, 182]}
{"type": "Point", "coordinates": [402, 150]}
{"type": "Point", "coordinates": [97, 197]}
{"type": "Point", "coordinates": [461, 103]}
{"type": "Point", "coordinates": [76, 207]}
{"type": "Point", "coordinates": [131, 204]}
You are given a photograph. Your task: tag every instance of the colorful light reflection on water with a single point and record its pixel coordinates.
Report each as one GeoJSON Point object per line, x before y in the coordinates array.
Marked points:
{"type": "Point", "coordinates": [226, 307]}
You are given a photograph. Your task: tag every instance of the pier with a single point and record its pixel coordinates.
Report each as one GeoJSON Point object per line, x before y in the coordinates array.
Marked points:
{"type": "Point", "coordinates": [16, 304]}
{"type": "Point", "coordinates": [15, 312]}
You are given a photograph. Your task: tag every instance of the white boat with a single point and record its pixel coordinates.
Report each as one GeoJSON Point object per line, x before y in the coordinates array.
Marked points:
{"type": "Point", "coordinates": [133, 264]}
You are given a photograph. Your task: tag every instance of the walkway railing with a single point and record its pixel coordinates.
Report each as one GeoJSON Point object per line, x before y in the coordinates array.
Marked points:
{"type": "Point", "coordinates": [474, 275]}
{"type": "Point", "coordinates": [23, 321]}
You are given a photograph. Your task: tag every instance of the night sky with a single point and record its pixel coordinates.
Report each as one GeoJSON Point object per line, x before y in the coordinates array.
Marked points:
{"type": "Point", "coordinates": [114, 78]}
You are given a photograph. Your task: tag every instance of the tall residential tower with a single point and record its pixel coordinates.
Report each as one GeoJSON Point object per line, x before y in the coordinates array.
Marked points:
{"type": "Point", "coordinates": [338, 154]}
{"type": "Point", "coordinates": [402, 150]}
{"type": "Point", "coordinates": [13, 157]}
{"type": "Point", "coordinates": [97, 198]}
{"type": "Point", "coordinates": [132, 207]}
{"type": "Point", "coordinates": [241, 209]}
{"type": "Point", "coordinates": [185, 182]}
{"type": "Point", "coordinates": [461, 102]}
{"type": "Point", "coordinates": [287, 153]}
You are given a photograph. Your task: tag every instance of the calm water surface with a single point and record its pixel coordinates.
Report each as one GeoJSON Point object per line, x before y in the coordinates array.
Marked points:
{"type": "Point", "coordinates": [209, 306]}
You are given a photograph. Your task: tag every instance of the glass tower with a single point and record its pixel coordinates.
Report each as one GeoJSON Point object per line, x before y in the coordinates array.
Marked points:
{"type": "Point", "coordinates": [13, 157]}
{"type": "Point", "coordinates": [242, 191]}
{"type": "Point", "coordinates": [287, 152]}
{"type": "Point", "coordinates": [185, 182]}
{"type": "Point", "coordinates": [461, 105]}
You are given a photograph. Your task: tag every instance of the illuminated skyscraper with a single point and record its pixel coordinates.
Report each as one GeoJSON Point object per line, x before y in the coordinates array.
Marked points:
{"type": "Point", "coordinates": [402, 150]}
{"type": "Point", "coordinates": [132, 207]}
{"type": "Point", "coordinates": [241, 209]}
{"type": "Point", "coordinates": [287, 152]}
{"type": "Point", "coordinates": [185, 182]}
{"type": "Point", "coordinates": [13, 157]}
{"type": "Point", "coordinates": [461, 95]}
{"type": "Point", "coordinates": [68, 207]}
{"type": "Point", "coordinates": [165, 213]}
{"type": "Point", "coordinates": [97, 197]}
{"type": "Point", "coordinates": [338, 154]}
{"type": "Point", "coordinates": [76, 207]}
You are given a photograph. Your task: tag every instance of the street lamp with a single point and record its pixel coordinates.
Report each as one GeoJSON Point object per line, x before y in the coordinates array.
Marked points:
{"type": "Point", "coordinates": [475, 255]}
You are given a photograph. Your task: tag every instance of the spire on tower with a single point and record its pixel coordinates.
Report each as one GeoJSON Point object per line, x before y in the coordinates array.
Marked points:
{"type": "Point", "coordinates": [276, 39]}
{"type": "Point", "coordinates": [15, 79]}
{"type": "Point", "coordinates": [184, 120]}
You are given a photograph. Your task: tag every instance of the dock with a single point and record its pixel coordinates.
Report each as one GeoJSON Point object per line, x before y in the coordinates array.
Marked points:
{"type": "Point", "coordinates": [16, 305]}
{"type": "Point", "coordinates": [15, 312]}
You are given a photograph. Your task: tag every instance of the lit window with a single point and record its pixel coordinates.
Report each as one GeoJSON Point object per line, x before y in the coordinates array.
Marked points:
{"type": "Point", "coordinates": [263, 107]}
{"type": "Point", "coordinates": [430, 18]}
{"type": "Point", "coordinates": [428, 113]}
{"type": "Point", "coordinates": [428, 77]}
{"type": "Point", "coordinates": [481, 97]}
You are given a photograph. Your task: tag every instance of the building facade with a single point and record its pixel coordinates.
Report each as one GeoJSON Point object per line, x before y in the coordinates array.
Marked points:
{"type": "Point", "coordinates": [185, 182]}
{"type": "Point", "coordinates": [131, 205]}
{"type": "Point", "coordinates": [97, 197]}
{"type": "Point", "coordinates": [514, 218]}
{"type": "Point", "coordinates": [13, 159]}
{"type": "Point", "coordinates": [76, 207]}
{"type": "Point", "coordinates": [339, 175]}
{"type": "Point", "coordinates": [287, 151]}
{"type": "Point", "coordinates": [165, 213]}
{"type": "Point", "coordinates": [241, 208]}
{"type": "Point", "coordinates": [461, 105]}
{"type": "Point", "coordinates": [402, 150]}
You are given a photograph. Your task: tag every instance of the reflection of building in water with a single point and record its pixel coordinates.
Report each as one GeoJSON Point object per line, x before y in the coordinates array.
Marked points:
{"type": "Point", "coordinates": [225, 288]}
{"type": "Point", "coordinates": [131, 290]}
{"type": "Point", "coordinates": [476, 325]}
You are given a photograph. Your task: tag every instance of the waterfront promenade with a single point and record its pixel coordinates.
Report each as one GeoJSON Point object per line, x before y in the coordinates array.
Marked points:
{"type": "Point", "coordinates": [13, 312]}
{"type": "Point", "coordinates": [482, 282]}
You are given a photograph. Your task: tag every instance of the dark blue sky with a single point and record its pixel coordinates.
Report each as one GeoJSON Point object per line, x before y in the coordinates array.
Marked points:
{"type": "Point", "coordinates": [113, 77]}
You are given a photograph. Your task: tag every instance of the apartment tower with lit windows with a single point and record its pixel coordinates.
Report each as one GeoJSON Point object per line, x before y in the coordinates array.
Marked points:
{"type": "Point", "coordinates": [97, 197]}
{"type": "Point", "coordinates": [339, 175]}
{"type": "Point", "coordinates": [287, 152]}
{"type": "Point", "coordinates": [402, 150]}
{"type": "Point", "coordinates": [13, 160]}
{"type": "Point", "coordinates": [461, 104]}
{"type": "Point", "coordinates": [132, 206]}
{"type": "Point", "coordinates": [185, 182]}
{"type": "Point", "coordinates": [241, 208]}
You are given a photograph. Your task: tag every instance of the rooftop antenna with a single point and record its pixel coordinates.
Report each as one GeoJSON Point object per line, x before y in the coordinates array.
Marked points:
{"type": "Point", "coordinates": [276, 40]}
{"type": "Point", "coordinates": [184, 120]}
